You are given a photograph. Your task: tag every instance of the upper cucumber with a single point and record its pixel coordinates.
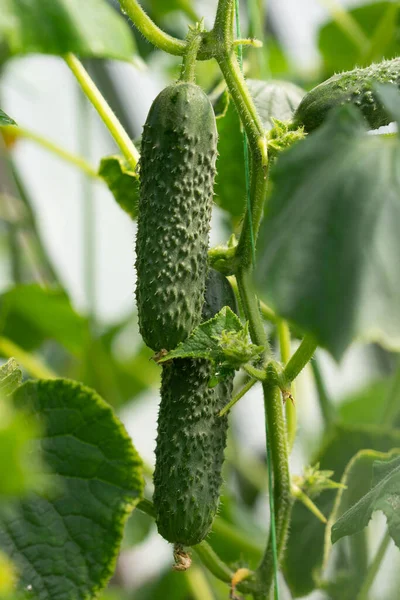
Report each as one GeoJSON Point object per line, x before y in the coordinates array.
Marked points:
{"type": "Point", "coordinates": [177, 169]}
{"type": "Point", "coordinates": [352, 87]}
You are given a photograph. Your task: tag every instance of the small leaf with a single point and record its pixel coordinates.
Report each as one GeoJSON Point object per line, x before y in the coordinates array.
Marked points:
{"type": "Point", "coordinates": [314, 481]}
{"type": "Point", "coordinates": [65, 543]}
{"type": "Point", "coordinates": [5, 119]}
{"type": "Point", "coordinates": [122, 181]}
{"type": "Point", "coordinates": [89, 29]}
{"type": "Point", "coordinates": [223, 340]}
{"type": "Point", "coordinates": [332, 228]}
{"type": "Point", "coordinates": [384, 495]}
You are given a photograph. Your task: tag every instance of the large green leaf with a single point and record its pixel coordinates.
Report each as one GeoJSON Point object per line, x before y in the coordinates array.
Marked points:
{"type": "Point", "coordinates": [366, 405]}
{"type": "Point", "coordinates": [329, 245]}
{"type": "Point", "coordinates": [273, 99]}
{"type": "Point", "coordinates": [65, 543]}
{"type": "Point", "coordinates": [379, 21]}
{"type": "Point", "coordinates": [89, 29]}
{"type": "Point", "coordinates": [20, 469]}
{"type": "Point", "coordinates": [30, 314]}
{"type": "Point", "coordinates": [304, 552]}
{"type": "Point", "coordinates": [384, 495]}
{"type": "Point", "coordinates": [5, 119]}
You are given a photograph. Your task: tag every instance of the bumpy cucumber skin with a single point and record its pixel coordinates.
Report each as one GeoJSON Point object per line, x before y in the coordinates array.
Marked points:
{"type": "Point", "coordinates": [352, 87]}
{"type": "Point", "coordinates": [177, 170]}
{"type": "Point", "coordinates": [191, 437]}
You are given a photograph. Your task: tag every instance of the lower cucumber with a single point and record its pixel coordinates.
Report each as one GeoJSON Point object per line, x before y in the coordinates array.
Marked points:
{"type": "Point", "coordinates": [191, 438]}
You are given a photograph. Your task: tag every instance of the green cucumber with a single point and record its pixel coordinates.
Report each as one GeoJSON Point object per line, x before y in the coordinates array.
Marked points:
{"type": "Point", "coordinates": [177, 170]}
{"type": "Point", "coordinates": [352, 87]}
{"type": "Point", "coordinates": [191, 438]}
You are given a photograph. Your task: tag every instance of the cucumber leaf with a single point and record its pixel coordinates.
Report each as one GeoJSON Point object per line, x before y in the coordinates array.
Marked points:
{"type": "Point", "coordinates": [223, 340]}
{"type": "Point", "coordinates": [122, 181]}
{"type": "Point", "coordinates": [89, 29]}
{"type": "Point", "coordinates": [64, 543]}
{"type": "Point", "coordinates": [332, 228]}
{"type": "Point", "coordinates": [383, 495]}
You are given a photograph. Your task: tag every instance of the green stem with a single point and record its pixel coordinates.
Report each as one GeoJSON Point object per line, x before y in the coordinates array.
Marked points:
{"type": "Point", "coordinates": [78, 161]}
{"type": "Point", "coordinates": [93, 94]}
{"type": "Point", "coordinates": [276, 432]}
{"type": "Point", "coordinates": [300, 358]}
{"type": "Point", "coordinates": [391, 408]}
{"type": "Point", "coordinates": [308, 503]}
{"type": "Point", "coordinates": [251, 309]}
{"type": "Point", "coordinates": [218, 568]}
{"type": "Point", "coordinates": [198, 585]}
{"type": "Point", "coordinates": [258, 374]}
{"type": "Point", "coordinates": [247, 386]}
{"type": "Point", "coordinates": [327, 410]}
{"type": "Point", "coordinates": [33, 365]}
{"type": "Point", "coordinates": [290, 407]}
{"type": "Point", "coordinates": [149, 29]}
{"type": "Point", "coordinates": [188, 70]}
{"type": "Point", "coordinates": [374, 568]}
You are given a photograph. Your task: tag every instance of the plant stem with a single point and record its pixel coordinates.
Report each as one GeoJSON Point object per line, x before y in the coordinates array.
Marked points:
{"type": "Point", "coordinates": [374, 568]}
{"type": "Point", "coordinates": [218, 568]}
{"type": "Point", "coordinates": [251, 309]}
{"type": "Point", "coordinates": [188, 70]}
{"type": "Point", "coordinates": [308, 503]}
{"type": "Point", "coordinates": [149, 29]}
{"type": "Point", "coordinates": [290, 408]}
{"type": "Point", "coordinates": [247, 386]}
{"type": "Point", "coordinates": [276, 432]}
{"type": "Point", "coordinates": [33, 365]}
{"type": "Point", "coordinates": [300, 358]}
{"type": "Point", "coordinates": [391, 408]}
{"type": "Point", "coordinates": [93, 94]}
{"type": "Point", "coordinates": [197, 582]}
{"type": "Point", "coordinates": [327, 410]}
{"type": "Point", "coordinates": [78, 161]}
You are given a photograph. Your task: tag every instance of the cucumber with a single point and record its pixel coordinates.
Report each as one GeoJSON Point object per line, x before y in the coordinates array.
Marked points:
{"type": "Point", "coordinates": [191, 438]}
{"type": "Point", "coordinates": [177, 170]}
{"type": "Point", "coordinates": [352, 87]}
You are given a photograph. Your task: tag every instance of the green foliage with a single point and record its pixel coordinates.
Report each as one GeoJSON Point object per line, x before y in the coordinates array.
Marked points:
{"type": "Point", "coordinates": [122, 181]}
{"type": "Point", "coordinates": [384, 495]}
{"type": "Point", "coordinates": [305, 549]}
{"type": "Point", "coordinates": [378, 21]}
{"type": "Point", "coordinates": [336, 285]}
{"type": "Point", "coordinates": [61, 26]}
{"type": "Point", "coordinates": [177, 171]}
{"type": "Point", "coordinates": [5, 119]}
{"type": "Point", "coordinates": [30, 314]}
{"type": "Point", "coordinates": [99, 480]}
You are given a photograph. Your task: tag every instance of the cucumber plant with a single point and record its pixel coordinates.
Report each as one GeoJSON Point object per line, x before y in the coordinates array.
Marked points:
{"type": "Point", "coordinates": [311, 264]}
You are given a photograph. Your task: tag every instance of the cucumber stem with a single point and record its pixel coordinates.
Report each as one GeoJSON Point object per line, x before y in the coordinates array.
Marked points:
{"type": "Point", "coordinates": [108, 117]}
